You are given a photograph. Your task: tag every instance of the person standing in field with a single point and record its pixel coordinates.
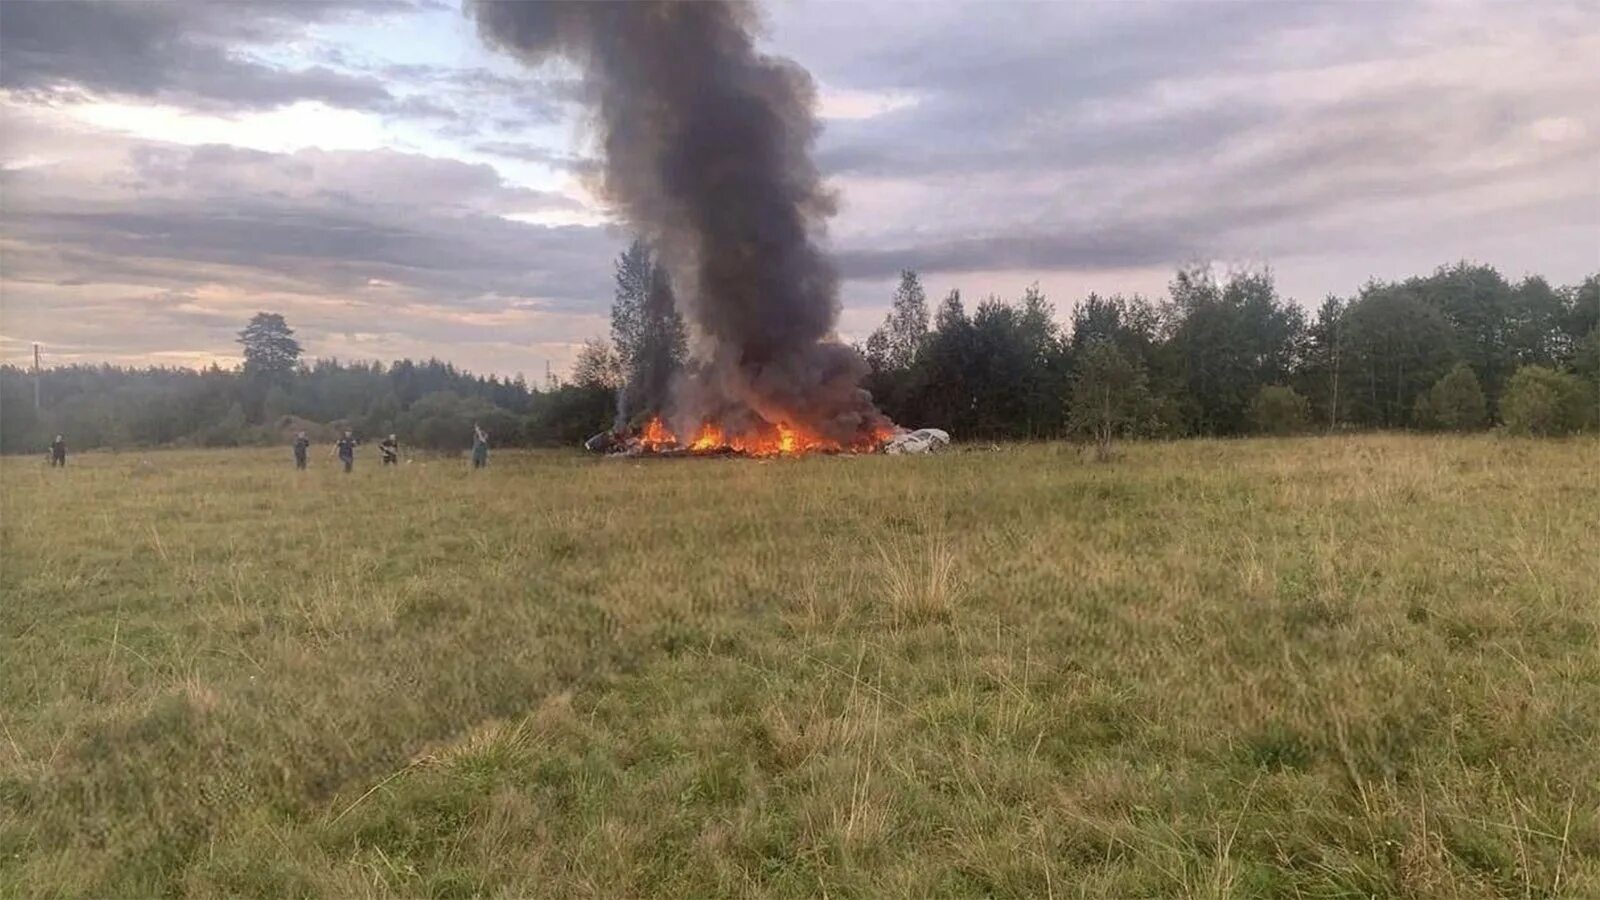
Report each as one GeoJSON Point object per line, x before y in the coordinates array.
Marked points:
{"type": "Point", "coordinates": [480, 447]}
{"type": "Point", "coordinates": [58, 452]}
{"type": "Point", "coordinates": [302, 447]}
{"type": "Point", "coordinates": [346, 448]}
{"type": "Point", "coordinates": [390, 448]}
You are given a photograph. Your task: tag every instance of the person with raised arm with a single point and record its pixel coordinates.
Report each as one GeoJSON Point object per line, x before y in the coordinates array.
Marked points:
{"type": "Point", "coordinates": [480, 447]}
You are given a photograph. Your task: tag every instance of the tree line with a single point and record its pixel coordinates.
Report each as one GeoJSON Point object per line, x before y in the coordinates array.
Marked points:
{"type": "Point", "coordinates": [274, 394]}
{"type": "Point", "coordinates": [1459, 349]}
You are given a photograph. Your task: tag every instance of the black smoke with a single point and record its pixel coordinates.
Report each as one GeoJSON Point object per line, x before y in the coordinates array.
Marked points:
{"type": "Point", "coordinates": [707, 147]}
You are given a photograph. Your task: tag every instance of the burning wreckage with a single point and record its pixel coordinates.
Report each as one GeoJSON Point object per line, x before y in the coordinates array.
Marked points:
{"type": "Point", "coordinates": [705, 144]}
{"type": "Point", "coordinates": [656, 439]}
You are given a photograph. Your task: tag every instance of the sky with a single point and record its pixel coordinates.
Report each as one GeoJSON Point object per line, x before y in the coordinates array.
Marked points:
{"type": "Point", "coordinates": [395, 188]}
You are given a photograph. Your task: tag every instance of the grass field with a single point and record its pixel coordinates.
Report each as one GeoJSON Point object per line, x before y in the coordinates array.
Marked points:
{"type": "Point", "coordinates": [1323, 667]}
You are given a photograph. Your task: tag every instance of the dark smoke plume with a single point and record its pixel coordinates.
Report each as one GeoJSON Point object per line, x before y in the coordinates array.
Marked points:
{"type": "Point", "coordinates": [706, 145]}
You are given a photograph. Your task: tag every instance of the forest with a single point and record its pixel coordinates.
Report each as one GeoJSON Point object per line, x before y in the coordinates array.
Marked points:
{"type": "Point", "coordinates": [1221, 354]}
{"type": "Point", "coordinates": [1459, 349]}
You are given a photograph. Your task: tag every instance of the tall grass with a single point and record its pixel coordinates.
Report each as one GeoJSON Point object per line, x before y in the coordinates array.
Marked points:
{"type": "Point", "coordinates": [1360, 666]}
{"type": "Point", "coordinates": [919, 583]}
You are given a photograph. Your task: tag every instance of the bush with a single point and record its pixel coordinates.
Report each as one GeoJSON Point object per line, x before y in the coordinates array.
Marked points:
{"type": "Point", "coordinates": [1455, 402]}
{"type": "Point", "coordinates": [1110, 396]}
{"type": "Point", "coordinates": [1541, 401]}
{"type": "Point", "coordinates": [231, 431]}
{"type": "Point", "coordinates": [570, 414]}
{"type": "Point", "coordinates": [1277, 409]}
{"type": "Point", "coordinates": [443, 420]}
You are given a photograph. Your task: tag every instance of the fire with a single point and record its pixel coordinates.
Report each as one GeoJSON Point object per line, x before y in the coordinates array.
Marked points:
{"type": "Point", "coordinates": [709, 438]}
{"type": "Point", "coordinates": [657, 436]}
{"type": "Point", "coordinates": [780, 439]}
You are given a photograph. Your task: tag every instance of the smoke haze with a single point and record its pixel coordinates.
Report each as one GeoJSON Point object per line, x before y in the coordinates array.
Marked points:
{"type": "Point", "coordinates": [707, 154]}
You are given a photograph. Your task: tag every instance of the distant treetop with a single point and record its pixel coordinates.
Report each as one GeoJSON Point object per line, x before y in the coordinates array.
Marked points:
{"type": "Point", "coordinates": [269, 345]}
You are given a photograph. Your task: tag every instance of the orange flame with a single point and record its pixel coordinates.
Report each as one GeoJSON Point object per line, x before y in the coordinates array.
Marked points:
{"type": "Point", "coordinates": [780, 439]}
{"type": "Point", "coordinates": [709, 438]}
{"type": "Point", "coordinates": [657, 436]}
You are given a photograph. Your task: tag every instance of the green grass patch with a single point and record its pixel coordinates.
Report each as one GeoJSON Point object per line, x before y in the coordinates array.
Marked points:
{"type": "Point", "coordinates": [1348, 666]}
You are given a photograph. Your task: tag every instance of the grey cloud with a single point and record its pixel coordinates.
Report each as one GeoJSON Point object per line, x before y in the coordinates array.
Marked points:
{"type": "Point", "coordinates": [481, 80]}
{"type": "Point", "coordinates": [207, 55]}
{"type": "Point", "coordinates": [380, 179]}
{"type": "Point", "coordinates": [309, 222]}
{"type": "Point", "coordinates": [475, 96]}
{"type": "Point", "coordinates": [544, 156]}
{"type": "Point", "coordinates": [1060, 136]}
{"type": "Point", "coordinates": [903, 145]}
{"type": "Point", "coordinates": [192, 54]}
{"type": "Point", "coordinates": [1089, 247]}
{"type": "Point", "coordinates": [454, 262]}
{"type": "Point", "coordinates": [1236, 215]}
{"type": "Point", "coordinates": [1013, 84]}
{"type": "Point", "coordinates": [419, 107]}
{"type": "Point", "coordinates": [990, 60]}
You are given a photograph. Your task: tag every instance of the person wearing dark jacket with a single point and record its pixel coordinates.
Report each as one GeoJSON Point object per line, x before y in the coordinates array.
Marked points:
{"type": "Point", "coordinates": [390, 448]}
{"type": "Point", "coordinates": [302, 446]}
{"type": "Point", "coordinates": [346, 448]}
{"type": "Point", "coordinates": [58, 452]}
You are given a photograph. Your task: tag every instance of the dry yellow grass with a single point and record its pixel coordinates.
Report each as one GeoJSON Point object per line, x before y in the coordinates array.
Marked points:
{"type": "Point", "coordinates": [1324, 667]}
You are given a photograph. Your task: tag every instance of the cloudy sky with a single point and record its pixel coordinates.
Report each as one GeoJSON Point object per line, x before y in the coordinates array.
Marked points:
{"type": "Point", "coordinates": [372, 171]}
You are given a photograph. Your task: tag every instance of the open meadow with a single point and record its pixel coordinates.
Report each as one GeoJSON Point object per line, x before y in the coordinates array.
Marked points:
{"type": "Point", "coordinates": [1322, 667]}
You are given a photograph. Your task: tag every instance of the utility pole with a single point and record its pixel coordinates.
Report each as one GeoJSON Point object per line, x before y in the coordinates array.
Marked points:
{"type": "Point", "coordinates": [36, 377]}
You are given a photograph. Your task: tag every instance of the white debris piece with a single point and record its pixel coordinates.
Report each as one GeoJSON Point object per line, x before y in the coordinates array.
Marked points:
{"type": "Point", "coordinates": [923, 440]}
